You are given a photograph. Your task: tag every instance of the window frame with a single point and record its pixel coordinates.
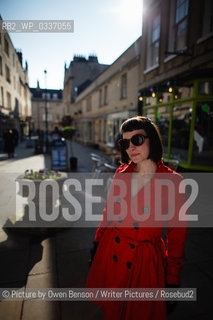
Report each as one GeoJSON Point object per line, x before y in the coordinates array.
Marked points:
{"type": "Point", "coordinates": [124, 86]}
{"type": "Point", "coordinates": [152, 59]}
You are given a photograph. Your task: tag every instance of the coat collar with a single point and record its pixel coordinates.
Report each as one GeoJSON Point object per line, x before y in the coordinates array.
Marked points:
{"type": "Point", "coordinates": [129, 167]}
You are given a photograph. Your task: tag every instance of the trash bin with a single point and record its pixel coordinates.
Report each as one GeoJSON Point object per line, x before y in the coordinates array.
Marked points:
{"type": "Point", "coordinates": [73, 163]}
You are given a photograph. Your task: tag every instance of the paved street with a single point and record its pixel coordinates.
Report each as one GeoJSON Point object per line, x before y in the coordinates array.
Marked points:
{"type": "Point", "coordinates": [59, 259]}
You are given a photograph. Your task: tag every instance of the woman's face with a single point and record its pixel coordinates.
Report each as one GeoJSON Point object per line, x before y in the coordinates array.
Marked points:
{"type": "Point", "coordinates": [137, 153]}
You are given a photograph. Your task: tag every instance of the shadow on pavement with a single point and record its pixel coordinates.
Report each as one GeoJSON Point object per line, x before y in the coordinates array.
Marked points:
{"type": "Point", "coordinates": [18, 254]}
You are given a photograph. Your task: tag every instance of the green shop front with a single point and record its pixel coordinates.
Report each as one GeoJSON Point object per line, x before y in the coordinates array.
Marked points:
{"type": "Point", "coordinates": [183, 112]}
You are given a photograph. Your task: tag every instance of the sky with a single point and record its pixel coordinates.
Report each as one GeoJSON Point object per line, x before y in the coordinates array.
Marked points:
{"type": "Point", "coordinates": [102, 28]}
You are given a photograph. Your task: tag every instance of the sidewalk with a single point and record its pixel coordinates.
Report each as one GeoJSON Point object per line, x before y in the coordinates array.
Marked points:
{"type": "Point", "coordinates": [57, 261]}
{"type": "Point", "coordinates": [61, 261]}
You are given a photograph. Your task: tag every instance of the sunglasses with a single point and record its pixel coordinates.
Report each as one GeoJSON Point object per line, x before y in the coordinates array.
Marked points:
{"type": "Point", "coordinates": [137, 140]}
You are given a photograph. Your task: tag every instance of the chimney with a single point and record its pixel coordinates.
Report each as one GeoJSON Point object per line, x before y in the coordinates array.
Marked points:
{"type": "Point", "coordinates": [19, 54]}
{"type": "Point", "coordinates": [93, 59]}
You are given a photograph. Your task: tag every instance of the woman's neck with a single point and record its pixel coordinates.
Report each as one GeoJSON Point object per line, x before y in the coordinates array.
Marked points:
{"type": "Point", "coordinates": [146, 166]}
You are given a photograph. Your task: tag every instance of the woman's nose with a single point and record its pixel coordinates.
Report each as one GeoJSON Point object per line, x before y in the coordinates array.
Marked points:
{"type": "Point", "coordinates": [131, 145]}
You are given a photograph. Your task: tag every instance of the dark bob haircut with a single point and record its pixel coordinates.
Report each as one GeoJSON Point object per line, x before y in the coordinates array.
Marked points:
{"type": "Point", "coordinates": [152, 131]}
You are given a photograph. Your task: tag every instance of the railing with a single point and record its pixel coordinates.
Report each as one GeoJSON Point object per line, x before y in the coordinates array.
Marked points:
{"type": "Point", "coordinates": [101, 165]}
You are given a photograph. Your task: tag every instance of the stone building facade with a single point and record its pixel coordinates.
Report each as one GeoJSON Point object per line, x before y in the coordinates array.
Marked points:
{"type": "Point", "coordinates": [176, 78]}
{"type": "Point", "coordinates": [99, 109]}
{"type": "Point", "coordinates": [80, 73]}
{"type": "Point", "coordinates": [15, 98]}
{"type": "Point", "coordinates": [51, 98]}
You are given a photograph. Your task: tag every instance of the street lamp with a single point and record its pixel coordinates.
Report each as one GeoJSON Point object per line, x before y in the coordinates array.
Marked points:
{"type": "Point", "coordinates": [46, 112]}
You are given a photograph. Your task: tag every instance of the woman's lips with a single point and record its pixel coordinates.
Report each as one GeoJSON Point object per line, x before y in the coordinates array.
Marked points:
{"type": "Point", "coordinates": [134, 154]}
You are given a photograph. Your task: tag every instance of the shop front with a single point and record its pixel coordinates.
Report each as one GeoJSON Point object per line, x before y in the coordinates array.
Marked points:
{"type": "Point", "coordinates": [183, 112]}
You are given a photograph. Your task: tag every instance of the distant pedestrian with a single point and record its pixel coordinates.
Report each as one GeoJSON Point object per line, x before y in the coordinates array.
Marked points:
{"type": "Point", "coordinates": [56, 134]}
{"type": "Point", "coordinates": [16, 136]}
{"type": "Point", "coordinates": [9, 143]}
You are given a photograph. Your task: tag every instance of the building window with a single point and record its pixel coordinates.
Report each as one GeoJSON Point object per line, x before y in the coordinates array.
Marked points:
{"type": "Point", "coordinates": [55, 96]}
{"type": "Point", "coordinates": [207, 18]}
{"type": "Point", "coordinates": [181, 24]}
{"type": "Point", "coordinates": [6, 46]}
{"type": "Point", "coordinates": [89, 103]}
{"type": "Point", "coordinates": [100, 98]}
{"type": "Point", "coordinates": [100, 131]}
{"type": "Point", "coordinates": [19, 87]}
{"type": "Point", "coordinates": [7, 73]}
{"type": "Point", "coordinates": [105, 95]}
{"type": "Point", "coordinates": [8, 100]}
{"type": "Point", "coordinates": [1, 70]}
{"type": "Point", "coordinates": [16, 106]}
{"type": "Point", "coordinates": [153, 43]}
{"type": "Point", "coordinates": [46, 95]}
{"type": "Point", "coordinates": [2, 96]}
{"type": "Point", "coordinates": [124, 86]}
{"type": "Point", "coordinates": [178, 25]}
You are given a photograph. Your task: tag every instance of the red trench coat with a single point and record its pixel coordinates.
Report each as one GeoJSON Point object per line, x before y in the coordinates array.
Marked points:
{"type": "Point", "coordinates": [135, 256]}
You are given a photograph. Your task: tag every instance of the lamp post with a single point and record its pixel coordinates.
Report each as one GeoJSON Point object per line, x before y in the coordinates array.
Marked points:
{"type": "Point", "coordinates": [46, 112]}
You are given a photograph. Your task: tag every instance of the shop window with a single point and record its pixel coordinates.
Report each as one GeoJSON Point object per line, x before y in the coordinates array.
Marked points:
{"type": "Point", "coordinates": [205, 88]}
{"type": "Point", "coordinates": [163, 125]}
{"type": "Point", "coordinates": [150, 101]}
{"type": "Point", "coordinates": [89, 131]}
{"type": "Point", "coordinates": [152, 55]}
{"type": "Point", "coordinates": [203, 135]}
{"type": "Point", "coordinates": [110, 137]}
{"type": "Point", "coordinates": [180, 132]}
{"type": "Point", "coordinates": [150, 113]}
{"type": "Point", "coordinates": [184, 92]}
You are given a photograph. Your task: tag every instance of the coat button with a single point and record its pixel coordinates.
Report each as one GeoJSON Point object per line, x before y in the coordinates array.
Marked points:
{"type": "Point", "coordinates": [117, 239]}
{"type": "Point", "coordinates": [119, 220]}
{"type": "Point", "coordinates": [118, 200]}
{"type": "Point", "coordinates": [128, 264]}
{"type": "Point", "coordinates": [132, 246]}
{"type": "Point", "coordinates": [145, 209]}
{"type": "Point", "coordinates": [136, 225]}
{"type": "Point", "coordinates": [115, 259]}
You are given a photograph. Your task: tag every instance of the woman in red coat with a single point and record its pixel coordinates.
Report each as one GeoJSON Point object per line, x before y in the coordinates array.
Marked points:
{"type": "Point", "coordinates": [130, 251]}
